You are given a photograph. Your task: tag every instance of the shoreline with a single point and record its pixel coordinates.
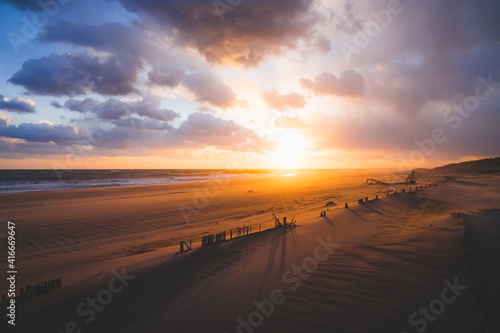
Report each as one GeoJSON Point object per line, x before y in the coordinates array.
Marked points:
{"type": "Point", "coordinates": [224, 174]}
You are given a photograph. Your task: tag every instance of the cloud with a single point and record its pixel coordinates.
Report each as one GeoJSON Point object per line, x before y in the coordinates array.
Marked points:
{"type": "Point", "coordinates": [164, 75]}
{"type": "Point", "coordinates": [396, 135]}
{"type": "Point", "coordinates": [205, 87]}
{"type": "Point", "coordinates": [290, 122]}
{"type": "Point", "coordinates": [135, 135]}
{"type": "Point", "coordinates": [43, 132]}
{"type": "Point", "coordinates": [430, 52]}
{"type": "Point", "coordinates": [349, 83]}
{"type": "Point", "coordinates": [127, 41]}
{"type": "Point", "coordinates": [110, 36]}
{"type": "Point", "coordinates": [211, 130]}
{"type": "Point", "coordinates": [198, 131]}
{"type": "Point", "coordinates": [17, 105]}
{"type": "Point", "coordinates": [56, 104]}
{"type": "Point", "coordinates": [136, 123]}
{"type": "Point", "coordinates": [208, 89]}
{"type": "Point", "coordinates": [281, 102]}
{"type": "Point", "coordinates": [114, 109]}
{"type": "Point", "coordinates": [81, 105]}
{"type": "Point", "coordinates": [132, 40]}
{"type": "Point", "coordinates": [78, 74]}
{"type": "Point", "coordinates": [241, 36]}
{"type": "Point", "coordinates": [4, 122]}
{"type": "Point", "coordinates": [350, 23]}
{"type": "Point", "coordinates": [25, 4]}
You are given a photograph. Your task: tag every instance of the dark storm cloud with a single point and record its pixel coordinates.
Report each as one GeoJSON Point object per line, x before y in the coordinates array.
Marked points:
{"type": "Point", "coordinates": [17, 105]}
{"type": "Point", "coordinates": [244, 35]}
{"type": "Point", "coordinates": [349, 83]}
{"type": "Point", "coordinates": [281, 102]}
{"type": "Point", "coordinates": [77, 74]}
{"type": "Point", "coordinates": [43, 132]}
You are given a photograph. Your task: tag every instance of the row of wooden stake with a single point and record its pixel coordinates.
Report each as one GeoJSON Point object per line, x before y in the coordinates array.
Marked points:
{"type": "Point", "coordinates": [37, 289]}
{"type": "Point", "coordinates": [234, 233]}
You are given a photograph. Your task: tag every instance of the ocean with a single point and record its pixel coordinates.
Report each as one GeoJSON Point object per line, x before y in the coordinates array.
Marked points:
{"type": "Point", "coordinates": [18, 181]}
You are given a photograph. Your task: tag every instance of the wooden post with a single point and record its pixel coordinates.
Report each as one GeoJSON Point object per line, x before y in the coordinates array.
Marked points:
{"type": "Point", "coordinates": [376, 197]}
{"type": "Point", "coordinates": [366, 199]}
{"type": "Point", "coordinates": [346, 205]}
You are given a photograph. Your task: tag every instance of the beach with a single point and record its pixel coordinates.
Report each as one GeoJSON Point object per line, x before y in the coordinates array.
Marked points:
{"type": "Point", "coordinates": [370, 267]}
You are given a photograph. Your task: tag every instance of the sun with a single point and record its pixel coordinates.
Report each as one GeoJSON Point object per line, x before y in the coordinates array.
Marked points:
{"type": "Point", "coordinates": [290, 152]}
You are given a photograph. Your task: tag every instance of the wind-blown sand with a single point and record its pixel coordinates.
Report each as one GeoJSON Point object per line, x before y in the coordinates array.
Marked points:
{"type": "Point", "coordinates": [390, 256]}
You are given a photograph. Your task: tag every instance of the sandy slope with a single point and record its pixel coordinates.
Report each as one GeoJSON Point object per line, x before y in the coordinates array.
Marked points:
{"type": "Point", "coordinates": [390, 257]}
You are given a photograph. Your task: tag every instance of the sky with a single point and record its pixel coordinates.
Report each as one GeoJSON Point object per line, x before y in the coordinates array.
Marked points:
{"type": "Point", "coordinates": [248, 84]}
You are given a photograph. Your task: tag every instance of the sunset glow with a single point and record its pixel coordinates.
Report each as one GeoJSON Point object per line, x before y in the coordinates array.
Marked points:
{"type": "Point", "coordinates": [291, 151]}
